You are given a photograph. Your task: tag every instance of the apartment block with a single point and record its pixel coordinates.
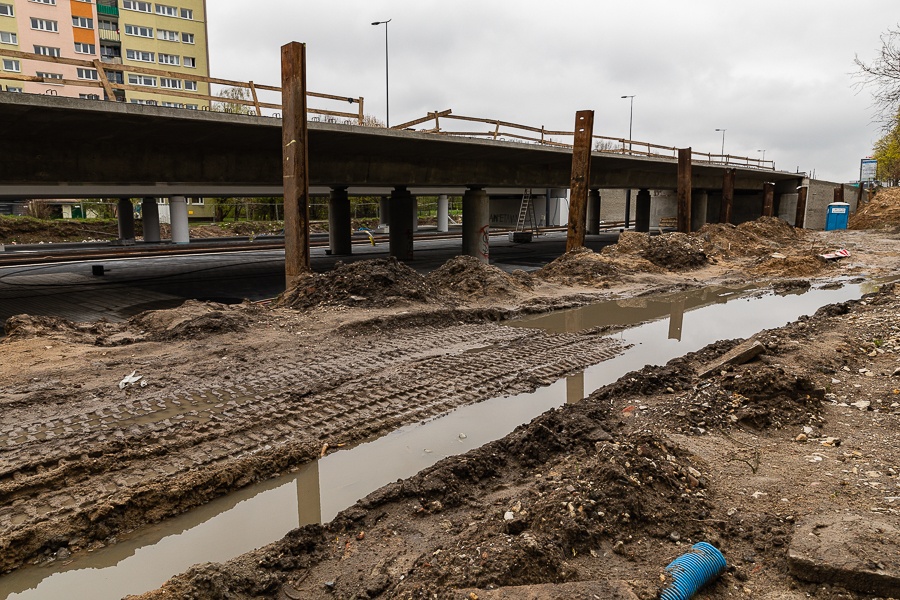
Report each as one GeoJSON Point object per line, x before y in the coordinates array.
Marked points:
{"type": "Point", "coordinates": [124, 38]}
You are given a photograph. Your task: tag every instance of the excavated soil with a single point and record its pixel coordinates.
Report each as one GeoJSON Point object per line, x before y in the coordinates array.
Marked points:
{"type": "Point", "coordinates": [881, 212]}
{"type": "Point", "coordinates": [108, 428]}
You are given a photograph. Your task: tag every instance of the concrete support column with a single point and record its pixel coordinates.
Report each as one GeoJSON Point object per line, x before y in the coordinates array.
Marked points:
{"type": "Point", "coordinates": [699, 206]}
{"type": "Point", "coordinates": [384, 211]}
{"type": "Point", "coordinates": [181, 233]}
{"type": "Point", "coordinates": [126, 219]}
{"type": "Point", "coordinates": [642, 211]}
{"type": "Point", "coordinates": [443, 213]}
{"type": "Point", "coordinates": [400, 222]}
{"type": "Point", "coordinates": [476, 219]}
{"type": "Point", "coordinates": [768, 200]}
{"type": "Point", "coordinates": [339, 227]}
{"type": "Point", "coordinates": [593, 212]}
{"type": "Point", "coordinates": [150, 217]}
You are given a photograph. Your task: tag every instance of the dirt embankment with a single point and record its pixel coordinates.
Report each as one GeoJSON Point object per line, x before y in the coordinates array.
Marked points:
{"type": "Point", "coordinates": [608, 490]}
{"type": "Point", "coordinates": [881, 212]}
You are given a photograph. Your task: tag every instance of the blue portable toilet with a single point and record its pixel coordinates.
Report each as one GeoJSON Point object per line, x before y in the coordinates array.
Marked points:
{"type": "Point", "coordinates": [837, 216]}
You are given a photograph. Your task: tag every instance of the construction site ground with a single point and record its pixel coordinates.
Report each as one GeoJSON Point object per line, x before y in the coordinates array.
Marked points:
{"type": "Point", "coordinates": [589, 500]}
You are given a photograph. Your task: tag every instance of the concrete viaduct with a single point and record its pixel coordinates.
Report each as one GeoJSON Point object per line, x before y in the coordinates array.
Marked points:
{"type": "Point", "coordinates": [71, 148]}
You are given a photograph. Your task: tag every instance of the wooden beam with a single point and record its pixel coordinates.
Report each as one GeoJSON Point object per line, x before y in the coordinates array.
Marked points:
{"type": "Point", "coordinates": [431, 115]}
{"type": "Point", "coordinates": [727, 196]}
{"type": "Point", "coordinates": [295, 158]}
{"type": "Point", "coordinates": [684, 189]}
{"type": "Point", "coordinates": [255, 99]}
{"type": "Point", "coordinates": [800, 217]}
{"type": "Point", "coordinates": [110, 96]}
{"type": "Point", "coordinates": [768, 200]}
{"type": "Point", "coordinates": [581, 179]}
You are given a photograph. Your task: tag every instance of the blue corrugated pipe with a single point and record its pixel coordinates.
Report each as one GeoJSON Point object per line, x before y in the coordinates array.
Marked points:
{"type": "Point", "coordinates": [692, 570]}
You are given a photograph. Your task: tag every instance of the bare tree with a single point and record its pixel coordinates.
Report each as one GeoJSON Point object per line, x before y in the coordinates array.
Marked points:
{"type": "Point", "coordinates": [228, 105]}
{"type": "Point", "coordinates": [372, 121]}
{"type": "Point", "coordinates": [882, 76]}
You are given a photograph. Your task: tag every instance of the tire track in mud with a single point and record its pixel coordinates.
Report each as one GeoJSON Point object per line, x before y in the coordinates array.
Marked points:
{"type": "Point", "coordinates": [100, 473]}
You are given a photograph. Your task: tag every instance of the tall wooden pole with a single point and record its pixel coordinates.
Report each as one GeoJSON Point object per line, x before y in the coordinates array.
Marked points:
{"type": "Point", "coordinates": [295, 157]}
{"type": "Point", "coordinates": [768, 200]}
{"type": "Point", "coordinates": [684, 190]}
{"type": "Point", "coordinates": [581, 178]}
{"type": "Point", "coordinates": [800, 217]}
{"type": "Point", "coordinates": [727, 196]}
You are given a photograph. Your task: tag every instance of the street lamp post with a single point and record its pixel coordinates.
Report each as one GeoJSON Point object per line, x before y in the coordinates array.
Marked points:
{"type": "Point", "coordinates": [630, 119]}
{"type": "Point", "coordinates": [763, 155]}
{"type": "Point", "coordinates": [387, 87]}
{"type": "Point", "coordinates": [723, 142]}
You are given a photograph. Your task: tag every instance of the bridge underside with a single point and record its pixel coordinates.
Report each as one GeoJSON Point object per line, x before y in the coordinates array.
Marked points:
{"type": "Point", "coordinates": [81, 148]}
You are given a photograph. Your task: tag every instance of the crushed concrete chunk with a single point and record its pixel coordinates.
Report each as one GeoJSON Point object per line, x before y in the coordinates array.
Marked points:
{"type": "Point", "coordinates": [738, 355]}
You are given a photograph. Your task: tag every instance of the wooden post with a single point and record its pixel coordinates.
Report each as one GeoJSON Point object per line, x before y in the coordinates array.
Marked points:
{"type": "Point", "coordinates": [839, 193]}
{"type": "Point", "coordinates": [727, 196]}
{"type": "Point", "coordinates": [295, 161]}
{"type": "Point", "coordinates": [768, 200]}
{"type": "Point", "coordinates": [581, 178]}
{"type": "Point", "coordinates": [684, 190]}
{"type": "Point", "coordinates": [104, 80]}
{"type": "Point", "coordinates": [800, 217]}
{"type": "Point", "coordinates": [255, 99]}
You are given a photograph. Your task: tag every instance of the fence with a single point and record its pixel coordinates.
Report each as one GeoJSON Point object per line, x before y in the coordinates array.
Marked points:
{"type": "Point", "coordinates": [103, 82]}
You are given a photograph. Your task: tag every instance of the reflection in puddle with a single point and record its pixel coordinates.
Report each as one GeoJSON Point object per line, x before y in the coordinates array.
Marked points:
{"type": "Point", "coordinates": [247, 519]}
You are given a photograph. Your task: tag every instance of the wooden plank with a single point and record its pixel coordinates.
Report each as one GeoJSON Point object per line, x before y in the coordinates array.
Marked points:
{"type": "Point", "coordinates": [800, 216]}
{"type": "Point", "coordinates": [581, 179]}
{"type": "Point", "coordinates": [768, 199]}
{"type": "Point", "coordinates": [429, 117]}
{"type": "Point", "coordinates": [727, 196]}
{"type": "Point", "coordinates": [295, 162]}
{"type": "Point", "coordinates": [255, 98]}
{"type": "Point", "coordinates": [685, 182]}
{"type": "Point", "coordinates": [104, 80]}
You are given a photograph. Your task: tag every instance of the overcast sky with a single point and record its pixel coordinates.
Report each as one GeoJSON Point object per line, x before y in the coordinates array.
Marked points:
{"type": "Point", "coordinates": [775, 74]}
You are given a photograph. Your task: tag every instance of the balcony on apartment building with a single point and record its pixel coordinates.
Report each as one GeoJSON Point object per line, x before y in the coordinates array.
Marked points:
{"type": "Point", "coordinates": [108, 8]}
{"type": "Point", "coordinates": [108, 35]}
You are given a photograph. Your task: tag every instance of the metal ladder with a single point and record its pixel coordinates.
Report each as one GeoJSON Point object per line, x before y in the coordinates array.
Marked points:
{"type": "Point", "coordinates": [526, 210]}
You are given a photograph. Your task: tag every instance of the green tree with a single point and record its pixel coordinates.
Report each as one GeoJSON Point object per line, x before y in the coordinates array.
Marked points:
{"type": "Point", "coordinates": [887, 153]}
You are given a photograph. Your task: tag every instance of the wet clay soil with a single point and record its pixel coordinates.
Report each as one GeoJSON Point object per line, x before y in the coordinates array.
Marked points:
{"type": "Point", "coordinates": [610, 489]}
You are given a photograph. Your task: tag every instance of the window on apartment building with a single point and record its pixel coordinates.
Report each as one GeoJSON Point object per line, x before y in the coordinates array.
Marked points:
{"type": "Point", "coordinates": [169, 59]}
{"type": "Point", "coordinates": [82, 22]}
{"type": "Point", "coordinates": [190, 61]}
{"type": "Point", "coordinates": [173, 104]}
{"type": "Point", "coordinates": [138, 6]}
{"type": "Point", "coordinates": [115, 76]}
{"type": "Point", "coordinates": [139, 31]}
{"type": "Point", "coordinates": [44, 25]}
{"type": "Point", "coordinates": [198, 201]}
{"type": "Point", "coordinates": [145, 80]}
{"type": "Point", "coordinates": [6, 10]}
{"type": "Point", "coordinates": [172, 84]}
{"type": "Point", "coordinates": [187, 38]}
{"type": "Point", "coordinates": [44, 75]}
{"type": "Point", "coordinates": [52, 2]}
{"type": "Point", "coordinates": [7, 37]}
{"type": "Point", "coordinates": [88, 74]}
{"type": "Point", "coordinates": [10, 64]}
{"type": "Point", "coordinates": [146, 102]}
{"type": "Point", "coordinates": [81, 48]}
{"type": "Point", "coordinates": [190, 86]}
{"type": "Point", "coordinates": [107, 25]}
{"type": "Point", "coordinates": [15, 90]}
{"type": "Point", "coordinates": [192, 106]}
{"type": "Point", "coordinates": [166, 11]}
{"type": "Point", "coordinates": [46, 51]}
{"type": "Point", "coordinates": [139, 55]}
{"type": "Point", "coordinates": [187, 13]}
{"type": "Point", "coordinates": [89, 96]}
{"type": "Point", "coordinates": [167, 35]}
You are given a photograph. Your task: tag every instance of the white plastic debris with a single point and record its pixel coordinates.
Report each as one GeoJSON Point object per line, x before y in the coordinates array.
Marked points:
{"type": "Point", "coordinates": [129, 379]}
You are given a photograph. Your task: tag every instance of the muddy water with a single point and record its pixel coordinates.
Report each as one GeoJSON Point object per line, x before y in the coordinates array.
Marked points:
{"type": "Point", "coordinates": [679, 323]}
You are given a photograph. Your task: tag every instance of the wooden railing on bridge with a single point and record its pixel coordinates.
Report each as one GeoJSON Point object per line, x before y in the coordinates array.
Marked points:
{"type": "Point", "coordinates": [103, 82]}
{"type": "Point", "coordinates": [499, 130]}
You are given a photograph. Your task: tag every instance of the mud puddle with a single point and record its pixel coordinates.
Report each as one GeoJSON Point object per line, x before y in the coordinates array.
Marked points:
{"type": "Point", "coordinates": [258, 515]}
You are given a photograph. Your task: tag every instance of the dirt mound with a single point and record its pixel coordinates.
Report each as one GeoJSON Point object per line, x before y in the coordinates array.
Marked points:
{"type": "Point", "coordinates": [20, 327]}
{"type": "Point", "coordinates": [772, 229]}
{"type": "Point", "coordinates": [580, 266]}
{"type": "Point", "coordinates": [729, 240]}
{"type": "Point", "coordinates": [471, 278]}
{"type": "Point", "coordinates": [882, 211]}
{"type": "Point", "coordinates": [779, 265]}
{"type": "Point", "coordinates": [28, 230]}
{"type": "Point", "coordinates": [191, 320]}
{"type": "Point", "coordinates": [676, 251]}
{"type": "Point", "coordinates": [381, 282]}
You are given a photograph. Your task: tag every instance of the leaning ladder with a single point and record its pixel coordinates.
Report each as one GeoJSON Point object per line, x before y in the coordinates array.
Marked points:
{"type": "Point", "coordinates": [526, 210]}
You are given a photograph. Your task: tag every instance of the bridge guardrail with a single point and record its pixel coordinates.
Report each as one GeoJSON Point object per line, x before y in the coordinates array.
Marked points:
{"type": "Point", "coordinates": [103, 82]}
